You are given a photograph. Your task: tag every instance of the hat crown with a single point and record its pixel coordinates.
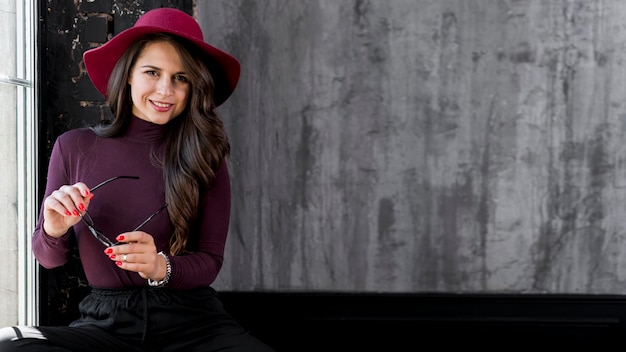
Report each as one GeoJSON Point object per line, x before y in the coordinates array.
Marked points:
{"type": "Point", "coordinates": [173, 21]}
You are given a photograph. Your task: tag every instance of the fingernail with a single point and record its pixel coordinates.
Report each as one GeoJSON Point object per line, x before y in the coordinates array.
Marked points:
{"type": "Point", "coordinates": [112, 256]}
{"type": "Point", "coordinates": [86, 193]}
{"type": "Point", "coordinates": [81, 207]}
{"type": "Point", "coordinates": [118, 263]}
{"type": "Point", "coordinates": [67, 212]}
{"type": "Point", "coordinates": [75, 212]}
{"type": "Point", "coordinates": [108, 250]}
{"type": "Point", "coordinates": [120, 237]}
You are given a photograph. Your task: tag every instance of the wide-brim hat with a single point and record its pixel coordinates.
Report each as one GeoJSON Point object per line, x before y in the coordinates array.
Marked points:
{"type": "Point", "coordinates": [100, 61]}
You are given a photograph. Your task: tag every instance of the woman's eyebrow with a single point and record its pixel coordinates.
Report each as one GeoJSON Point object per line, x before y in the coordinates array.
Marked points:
{"type": "Point", "coordinates": [160, 69]}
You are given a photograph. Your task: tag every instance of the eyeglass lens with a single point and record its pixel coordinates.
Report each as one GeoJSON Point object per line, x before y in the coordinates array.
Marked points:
{"type": "Point", "coordinates": [97, 233]}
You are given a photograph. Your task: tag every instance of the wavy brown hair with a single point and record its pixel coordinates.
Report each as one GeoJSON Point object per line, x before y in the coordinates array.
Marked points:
{"type": "Point", "coordinates": [196, 143]}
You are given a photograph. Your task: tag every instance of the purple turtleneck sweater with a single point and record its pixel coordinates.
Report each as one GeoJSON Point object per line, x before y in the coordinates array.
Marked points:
{"type": "Point", "coordinates": [120, 206]}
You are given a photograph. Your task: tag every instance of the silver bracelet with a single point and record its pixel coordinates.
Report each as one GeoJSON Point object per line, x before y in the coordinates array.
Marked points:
{"type": "Point", "coordinates": [168, 272]}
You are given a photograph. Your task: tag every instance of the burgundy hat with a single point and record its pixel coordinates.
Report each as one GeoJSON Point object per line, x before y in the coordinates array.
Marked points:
{"type": "Point", "coordinates": [100, 61]}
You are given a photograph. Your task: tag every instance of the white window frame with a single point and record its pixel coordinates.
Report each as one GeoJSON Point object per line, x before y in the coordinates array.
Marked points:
{"type": "Point", "coordinates": [27, 164]}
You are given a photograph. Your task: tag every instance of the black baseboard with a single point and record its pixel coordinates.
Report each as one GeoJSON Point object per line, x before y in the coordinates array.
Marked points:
{"type": "Point", "coordinates": [392, 322]}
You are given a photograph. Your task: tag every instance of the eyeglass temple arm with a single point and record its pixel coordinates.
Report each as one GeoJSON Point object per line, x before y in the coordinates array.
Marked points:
{"type": "Point", "coordinates": [151, 216]}
{"type": "Point", "coordinates": [109, 180]}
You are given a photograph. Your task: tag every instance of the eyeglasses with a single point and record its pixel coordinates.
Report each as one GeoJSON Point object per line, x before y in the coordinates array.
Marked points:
{"type": "Point", "coordinates": [97, 233]}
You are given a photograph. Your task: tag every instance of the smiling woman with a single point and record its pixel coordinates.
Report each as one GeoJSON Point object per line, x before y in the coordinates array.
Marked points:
{"type": "Point", "coordinates": [162, 85]}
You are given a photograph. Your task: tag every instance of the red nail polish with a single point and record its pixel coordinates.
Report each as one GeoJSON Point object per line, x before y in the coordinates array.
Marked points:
{"type": "Point", "coordinates": [86, 193]}
{"type": "Point", "coordinates": [112, 256]}
{"type": "Point", "coordinates": [108, 251]}
{"type": "Point", "coordinates": [75, 212]}
{"type": "Point", "coordinates": [67, 212]}
{"type": "Point", "coordinates": [120, 237]}
{"type": "Point", "coordinates": [81, 207]}
{"type": "Point", "coordinates": [118, 263]}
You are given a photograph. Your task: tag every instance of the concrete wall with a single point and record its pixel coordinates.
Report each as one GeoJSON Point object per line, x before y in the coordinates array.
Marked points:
{"type": "Point", "coordinates": [426, 146]}
{"type": "Point", "coordinates": [8, 175]}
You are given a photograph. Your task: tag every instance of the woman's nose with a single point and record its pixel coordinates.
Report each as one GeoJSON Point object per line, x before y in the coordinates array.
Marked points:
{"type": "Point", "coordinates": [164, 87]}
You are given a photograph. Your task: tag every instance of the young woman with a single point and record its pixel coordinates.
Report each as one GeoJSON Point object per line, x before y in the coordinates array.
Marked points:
{"type": "Point", "coordinates": [147, 197]}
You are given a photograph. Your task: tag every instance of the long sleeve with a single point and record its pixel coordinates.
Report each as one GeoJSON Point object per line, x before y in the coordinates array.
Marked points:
{"type": "Point", "coordinates": [200, 268]}
{"type": "Point", "coordinates": [51, 252]}
{"type": "Point", "coordinates": [81, 156]}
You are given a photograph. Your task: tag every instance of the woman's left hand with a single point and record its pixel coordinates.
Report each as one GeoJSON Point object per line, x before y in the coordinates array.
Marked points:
{"type": "Point", "coordinates": [137, 252]}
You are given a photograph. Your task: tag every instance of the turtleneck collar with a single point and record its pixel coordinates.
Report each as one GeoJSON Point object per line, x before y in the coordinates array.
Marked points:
{"type": "Point", "coordinates": [142, 131]}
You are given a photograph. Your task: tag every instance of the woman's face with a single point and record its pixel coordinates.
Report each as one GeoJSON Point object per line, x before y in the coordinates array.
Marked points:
{"type": "Point", "coordinates": [159, 87]}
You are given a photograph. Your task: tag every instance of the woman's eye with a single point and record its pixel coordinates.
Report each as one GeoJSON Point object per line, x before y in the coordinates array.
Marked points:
{"type": "Point", "coordinates": [152, 73]}
{"type": "Point", "coordinates": [181, 78]}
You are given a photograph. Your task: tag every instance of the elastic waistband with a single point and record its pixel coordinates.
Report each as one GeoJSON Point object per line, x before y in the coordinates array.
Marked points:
{"type": "Point", "coordinates": [127, 292]}
{"type": "Point", "coordinates": [118, 292]}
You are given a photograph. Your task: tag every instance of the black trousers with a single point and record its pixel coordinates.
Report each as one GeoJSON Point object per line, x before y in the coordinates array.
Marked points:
{"type": "Point", "coordinates": [147, 319]}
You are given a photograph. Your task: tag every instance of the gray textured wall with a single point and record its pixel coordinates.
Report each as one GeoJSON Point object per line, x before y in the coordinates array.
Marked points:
{"type": "Point", "coordinates": [426, 145]}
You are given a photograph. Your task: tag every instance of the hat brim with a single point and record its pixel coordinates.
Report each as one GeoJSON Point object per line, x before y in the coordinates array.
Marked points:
{"type": "Point", "coordinates": [99, 62]}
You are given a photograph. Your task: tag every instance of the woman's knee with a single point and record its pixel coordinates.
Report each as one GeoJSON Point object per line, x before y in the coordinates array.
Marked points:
{"type": "Point", "coordinates": [8, 333]}
{"type": "Point", "coordinates": [18, 338]}
{"type": "Point", "coordinates": [8, 336]}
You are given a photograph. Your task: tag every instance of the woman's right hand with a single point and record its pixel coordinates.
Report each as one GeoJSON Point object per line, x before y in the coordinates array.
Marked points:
{"type": "Point", "coordinates": [62, 208]}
